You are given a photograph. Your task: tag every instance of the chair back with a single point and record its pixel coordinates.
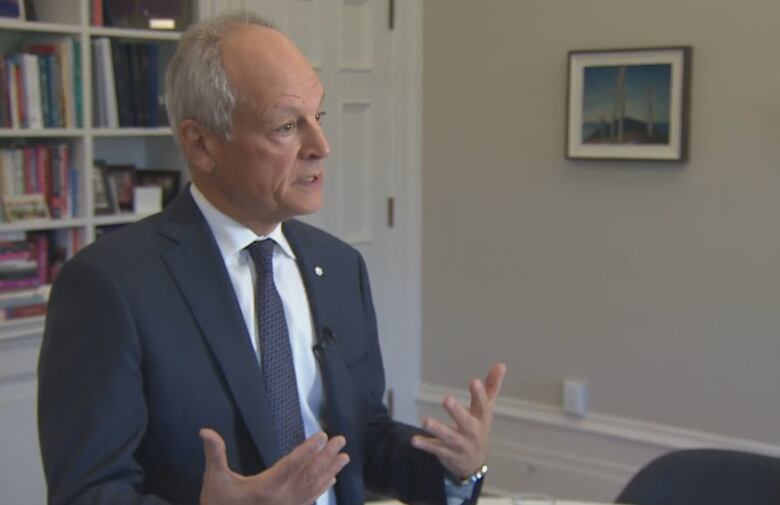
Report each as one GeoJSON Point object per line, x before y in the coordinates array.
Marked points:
{"type": "Point", "coordinates": [706, 477]}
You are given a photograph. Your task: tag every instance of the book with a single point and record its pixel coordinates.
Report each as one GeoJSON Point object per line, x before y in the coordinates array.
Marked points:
{"type": "Point", "coordinates": [125, 84]}
{"type": "Point", "coordinates": [96, 12]}
{"type": "Point", "coordinates": [32, 87]}
{"type": "Point", "coordinates": [10, 9]}
{"type": "Point", "coordinates": [11, 284]}
{"type": "Point", "coordinates": [106, 84]}
{"type": "Point", "coordinates": [22, 311]}
{"type": "Point", "coordinates": [5, 103]}
{"type": "Point", "coordinates": [153, 79]}
{"type": "Point", "coordinates": [78, 89]}
{"type": "Point", "coordinates": [13, 92]}
{"type": "Point", "coordinates": [46, 90]}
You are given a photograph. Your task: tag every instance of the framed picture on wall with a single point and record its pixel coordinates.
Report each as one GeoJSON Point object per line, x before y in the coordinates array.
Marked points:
{"type": "Point", "coordinates": [629, 104]}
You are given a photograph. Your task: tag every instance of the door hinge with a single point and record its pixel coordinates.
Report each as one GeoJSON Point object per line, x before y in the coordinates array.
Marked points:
{"type": "Point", "coordinates": [390, 212]}
{"type": "Point", "coordinates": [390, 397]}
{"type": "Point", "coordinates": [391, 15]}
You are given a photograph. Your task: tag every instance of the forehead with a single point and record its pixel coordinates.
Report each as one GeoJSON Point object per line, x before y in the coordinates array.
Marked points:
{"type": "Point", "coordinates": [265, 67]}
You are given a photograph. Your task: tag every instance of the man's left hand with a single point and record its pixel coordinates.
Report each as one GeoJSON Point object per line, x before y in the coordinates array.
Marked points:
{"type": "Point", "coordinates": [463, 448]}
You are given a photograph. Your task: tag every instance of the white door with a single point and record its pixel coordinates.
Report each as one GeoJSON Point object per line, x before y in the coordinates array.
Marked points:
{"type": "Point", "coordinates": [353, 47]}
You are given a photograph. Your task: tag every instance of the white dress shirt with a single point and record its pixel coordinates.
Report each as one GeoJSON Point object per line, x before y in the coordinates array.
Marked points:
{"type": "Point", "coordinates": [232, 238]}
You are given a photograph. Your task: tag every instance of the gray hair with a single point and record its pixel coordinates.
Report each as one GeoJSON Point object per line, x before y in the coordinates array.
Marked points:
{"type": "Point", "coordinates": [196, 83]}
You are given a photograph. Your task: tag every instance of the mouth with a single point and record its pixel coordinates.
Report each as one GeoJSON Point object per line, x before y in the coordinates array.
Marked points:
{"type": "Point", "coordinates": [312, 179]}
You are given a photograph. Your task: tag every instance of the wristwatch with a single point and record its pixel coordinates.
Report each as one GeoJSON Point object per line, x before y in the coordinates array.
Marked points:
{"type": "Point", "coordinates": [473, 478]}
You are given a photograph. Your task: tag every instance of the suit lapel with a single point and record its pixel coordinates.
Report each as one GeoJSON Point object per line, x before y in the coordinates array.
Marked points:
{"type": "Point", "coordinates": [197, 267]}
{"type": "Point", "coordinates": [314, 266]}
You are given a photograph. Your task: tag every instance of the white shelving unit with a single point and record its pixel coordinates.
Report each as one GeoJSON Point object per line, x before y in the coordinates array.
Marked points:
{"type": "Point", "coordinates": [146, 148]}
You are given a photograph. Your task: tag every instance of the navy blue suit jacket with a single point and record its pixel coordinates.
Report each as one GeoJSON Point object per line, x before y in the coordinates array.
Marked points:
{"type": "Point", "coordinates": [145, 344]}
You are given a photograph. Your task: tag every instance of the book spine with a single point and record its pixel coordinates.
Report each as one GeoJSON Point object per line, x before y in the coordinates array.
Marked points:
{"type": "Point", "coordinates": [9, 9]}
{"type": "Point", "coordinates": [13, 94]}
{"type": "Point", "coordinates": [109, 83]}
{"type": "Point", "coordinates": [74, 202]}
{"type": "Point", "coordinates": [55, 184]}
{"type": "Point", "coordinates": [15, 256]}
{"type": "Point", "coordinates": [124, 84]}
{"type": "Point", "coordinates": [30, 166]}
{"type": "Point", "coordinates": [21, 92]}
{"type": "Point", "coordinates": [137, 78]}
{"type": "Point", "coordinates": [42, 257]}
{"type": "Point", "coordinates": [32, 81]}
{"type": "Point", "coordinates": [11, 313]}
{"type": "Point", "coordinates": [65, 78]}
{"type": "Point", "coordinates": [29, 282]}
{"type": "Point", "coordinates": [45, 92]}
{"type": "Point", "coordinates": [78, 91]}
{"type": "Point", "coordinates": [19, 171]}
{"type": "Point", "coordinates": [97, 12]}
{"type": "Point", "coordinates": [43, 171]}
{"type": "Point", "coordinates": [5, 104]}
{"type": "Point", "coordinates": [151, 61]}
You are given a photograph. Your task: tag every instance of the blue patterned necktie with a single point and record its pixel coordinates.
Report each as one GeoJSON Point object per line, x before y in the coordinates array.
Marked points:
{"type": "Point", "coordinates": [275, 351]}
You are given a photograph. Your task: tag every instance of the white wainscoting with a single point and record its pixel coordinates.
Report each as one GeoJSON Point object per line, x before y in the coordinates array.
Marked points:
{"type": "Point", "coordinates": [21, 475]}
{"type": "Point", "coordinates": [538, 448]}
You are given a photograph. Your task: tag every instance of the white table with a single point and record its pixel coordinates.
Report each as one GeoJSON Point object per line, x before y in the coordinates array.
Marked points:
{"type": "Point", "coordinates": [504, 501]}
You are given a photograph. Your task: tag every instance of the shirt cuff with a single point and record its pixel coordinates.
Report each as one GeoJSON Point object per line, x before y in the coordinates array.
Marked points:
{"type": "Point", "coordinates": [457, 494]}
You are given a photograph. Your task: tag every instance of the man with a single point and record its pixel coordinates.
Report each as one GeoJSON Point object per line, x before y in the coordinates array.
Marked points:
{"type": "Point", "coordinates": [223, 316]}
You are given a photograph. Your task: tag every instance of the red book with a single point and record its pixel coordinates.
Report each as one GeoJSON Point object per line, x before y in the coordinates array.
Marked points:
{"type": "Point", "coordinates": [30, 167]}
{"type": "Point", "coordinates": [42, 257]}
{"type": "Point", "coordinates": [97, 12]}
{"type": "Point", "coordinates": [43, 170]}
{"type": "Point", "coordinates": [20, 311]}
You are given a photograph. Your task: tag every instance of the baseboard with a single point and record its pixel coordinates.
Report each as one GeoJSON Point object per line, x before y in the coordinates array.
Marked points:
{"type": "Point", "coordinates": [537, 448]}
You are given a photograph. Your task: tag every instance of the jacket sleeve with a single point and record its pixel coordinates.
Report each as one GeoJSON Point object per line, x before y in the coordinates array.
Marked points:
{"type": "Point", "coordinates": [393, 467]}
{"type": "Point", "coordinates": [91, 409]}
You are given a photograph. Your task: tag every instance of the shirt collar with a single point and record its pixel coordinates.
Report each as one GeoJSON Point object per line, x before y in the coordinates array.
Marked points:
{"type": "Point", "coordinates": [231, 236]}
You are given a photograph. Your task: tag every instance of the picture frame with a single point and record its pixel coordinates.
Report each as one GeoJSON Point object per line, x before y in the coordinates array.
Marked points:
{"type": "Point", "coordinates": [103, 203]}
{"type": "Point", "coordinates": [629, 104]}
{"type": "Point", "coordinates": [25, 207]}
{"type": "Point", "coordinates": [121, 182]}
{"type": "Point", "coordinates": [168, 180]}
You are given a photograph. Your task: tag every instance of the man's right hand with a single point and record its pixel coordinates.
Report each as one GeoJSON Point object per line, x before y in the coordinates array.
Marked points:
{"type": "Point", "coordinates": [296, 479]}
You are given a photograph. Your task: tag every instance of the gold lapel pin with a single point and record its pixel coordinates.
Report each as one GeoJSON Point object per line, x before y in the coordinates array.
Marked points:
{"type": "Point", "coordinates": [319, 271]}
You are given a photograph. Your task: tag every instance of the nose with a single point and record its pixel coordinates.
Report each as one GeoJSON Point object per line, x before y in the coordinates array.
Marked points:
{"type": "Point", "coordinates": [316, 145]}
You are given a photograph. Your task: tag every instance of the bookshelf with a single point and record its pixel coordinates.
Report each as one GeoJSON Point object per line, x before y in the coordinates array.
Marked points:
{"type": "Point", "coordinates": [85, 138]}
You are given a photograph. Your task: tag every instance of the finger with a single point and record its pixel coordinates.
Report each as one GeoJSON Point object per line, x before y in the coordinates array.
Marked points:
{"type": "Point", "coordinates": [326, 461]}
{"type": "Point", "coordinates": [494, 379]}
{"type": "Point", "coordinates": [214, 449]}
{"type": "Point", "coordinates": [316, 473]}
{"type": "Point", "coordinates": [462, 417]}
{"type": "Point", "coordinates": [432, 446]}
{"type": "Point", "coordinates": [479, 398]}
{"type": "Point", "coordinates": [446, 435]}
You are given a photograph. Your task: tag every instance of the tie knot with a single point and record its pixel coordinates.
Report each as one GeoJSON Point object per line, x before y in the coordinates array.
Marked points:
{"type": "Point", "coordinates": [262, 253]}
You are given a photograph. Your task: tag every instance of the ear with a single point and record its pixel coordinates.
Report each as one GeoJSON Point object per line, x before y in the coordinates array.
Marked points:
{"type": "Point", "coordinates": [197, 145]}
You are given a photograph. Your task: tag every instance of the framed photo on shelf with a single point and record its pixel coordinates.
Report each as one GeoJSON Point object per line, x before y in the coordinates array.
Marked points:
{"type": "Point", "coordinates": [25, 207]}
{"type": "Point", "coordinates": [168, 180]}
{"type": "Point", "coordinates": [629, 104]}
{"type": "Point", "coordinates": [121, 182]}
{"type": "Point", "coordinates": [103, 202]}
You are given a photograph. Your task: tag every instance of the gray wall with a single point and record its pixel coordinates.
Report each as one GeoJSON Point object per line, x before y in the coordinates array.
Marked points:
{"type": "Point", "coordinates": [656, 283]}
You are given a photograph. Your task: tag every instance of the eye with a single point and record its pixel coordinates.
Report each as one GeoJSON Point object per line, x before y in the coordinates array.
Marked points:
{"type": "Point", "coordinates": [319, 116]}
{"type": "Point", "coordinates": [286, 127]}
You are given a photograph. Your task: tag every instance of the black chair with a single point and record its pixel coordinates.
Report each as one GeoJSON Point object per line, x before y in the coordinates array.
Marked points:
{"type": "Point", "coordinates": [706, 477]}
